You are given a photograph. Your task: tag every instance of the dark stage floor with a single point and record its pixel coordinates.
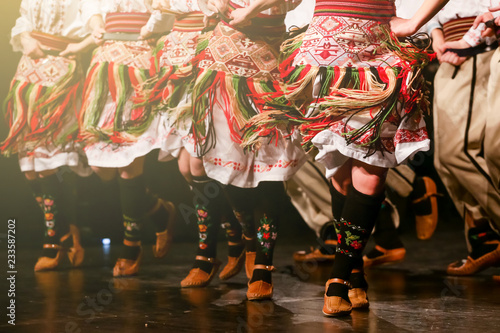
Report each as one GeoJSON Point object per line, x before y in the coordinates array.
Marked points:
{"type": "Point", "coordinates": [414, 295]}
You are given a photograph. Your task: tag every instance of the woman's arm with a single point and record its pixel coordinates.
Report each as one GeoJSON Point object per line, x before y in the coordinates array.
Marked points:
{"type": "Point", "coordinates": [20, 35]}
{"type": "Point", "coordinates": [30, 46]}
{"type": "Point", "coordinates": [405, 27]}
{"type": "Point", "coordinates": [438, 42]}
{"type": "Point", "coordinates": [96, 25]}
{"type": "Point", "coordinates": [76, 48]}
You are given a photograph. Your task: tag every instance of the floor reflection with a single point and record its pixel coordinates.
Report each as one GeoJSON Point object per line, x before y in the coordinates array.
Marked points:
{"type": "Point", "coordinates": [415, 295]}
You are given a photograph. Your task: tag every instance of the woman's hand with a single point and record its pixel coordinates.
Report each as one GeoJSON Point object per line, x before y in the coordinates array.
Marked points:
{"type": "Point", "coordinates": [438, 42]}
{"type": "Point", "coordinates": [452, 57]}
{"type": "Point", "coordinates": [72, 50]}
{"type": "Point", "coordinates": [402, 27]}
{"type": "Point", "coordinates": [218, 6]}
{"type": "Point", "coordinates": [483, 18]}
{"type": "Point", "coordinates": [97, 35]}
{"type": "Point", "coordinates": [31, 47]}
{"type": "Point", "coordinates": [240, 17]}
{"type": "Point", "coordinates": [147, 35]}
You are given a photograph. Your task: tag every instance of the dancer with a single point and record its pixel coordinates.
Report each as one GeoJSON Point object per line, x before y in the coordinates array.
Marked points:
{"type": "Point", "coordinates": [362, 98]}
{"type": "Point", "coordinates": [169, 91]}
{"type": "Point", "coordinates": [117, 135]}
{"type": "Point", "coordinates": [466, 128]}
{"type": "Point", "coordinates": [309, 190]}
{"type": "Point", "coordinates": [237, 65]}
{"type": "Point", "coordinates": [40, 110]}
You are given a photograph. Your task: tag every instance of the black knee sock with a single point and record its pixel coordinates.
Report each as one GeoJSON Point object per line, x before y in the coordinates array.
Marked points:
{"type": "Point", "coordinates": [136, 203]}
{"type": "Point", "coordinates": [36, 188]}
{"type": "Point", "coordinates": [386, 234]}
{"type": "Point", "coordinates": [327, 238]}
{"type": "Point", "coordinates": [245, 218]}
{"type": "Point", "coordinates": [56, 225]}
{"type": "Point", "coordinates": [327, 231]}
{"type": "Point", "coordinates": [357, 278]}
{"type": "Point", "coordinates": [159, 216]}
{"type": "Point", "coordinates": [338, 203]}
{"type": "Point", "coordinates": [208, 211]}
{"type": "Point", "coordinates": [232, 229]}
{"type": "Point", "coordinates": [270, 197]}
{"type": "Point", "coordinates": [243, 202]}
{"type": "Point", "coordinates": [353, 230]}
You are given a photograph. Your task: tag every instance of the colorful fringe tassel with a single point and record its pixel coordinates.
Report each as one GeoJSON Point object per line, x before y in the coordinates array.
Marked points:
{"type": "Point", "coordinates": [240, 98]}
{"type": "Point", "coordinates": [345, 92]}
{"type": "Point", "coordinates": [38, 115]}
{"type": "Point", "coordinates": [170, 84]}
{"type": "Point", "coordinates": [122, 125]}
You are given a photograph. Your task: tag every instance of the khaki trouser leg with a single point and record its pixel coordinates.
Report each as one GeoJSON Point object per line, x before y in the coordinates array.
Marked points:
{"type": "Point", "coordinates": [492, 132]}
{"type": "Point", "coordinates": [459, 136]}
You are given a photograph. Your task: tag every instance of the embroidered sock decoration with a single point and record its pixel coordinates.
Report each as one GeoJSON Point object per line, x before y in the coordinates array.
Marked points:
{"type": "Point", "coordinates": [353, 231]}
{"type": "Point", "coordinates": [266, 239]}
{"type": "Point", "coordinates": [132, 238]}
{"type": "Point", "coordinates": [327, 232]}
{"type": "Point", "coordinates": [56, 225]}
{"type": "Point", "coordinates": [270, 198]}
{"type": "Point", "coordinates": [208, 218]}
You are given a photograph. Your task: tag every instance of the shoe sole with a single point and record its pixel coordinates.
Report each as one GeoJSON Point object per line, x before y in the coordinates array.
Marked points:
{"type": "Point", "coordinates": [337, 314]}
{"type": "Point", "coordinates": [260, 298]}
{"type": "Point", "coordinates": [215, 269]}
{"type": "Point", "coordinates": [361, 307]}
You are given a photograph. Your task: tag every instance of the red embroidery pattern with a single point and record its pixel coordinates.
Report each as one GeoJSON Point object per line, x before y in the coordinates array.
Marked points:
{"type": "Point", "coordinates": [256, 168]}
{"type": "Point", "coordinates": [232, 52]}
{"type": "Point", "coordinates": [179, 48]}
{"type": "Point", "coordinates": [390, 143]}
{"type": "Point", "coordinates": [132, 54]}
{"type": "Point", "coordinates": [344, 41]}
{"type": "Point", "coordinates": [46, 71]}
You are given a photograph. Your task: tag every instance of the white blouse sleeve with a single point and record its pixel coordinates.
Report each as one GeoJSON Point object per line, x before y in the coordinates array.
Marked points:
{"type": "Point", "coordinates": [88, 9]}
{"type": "Point", "coordinates": [433, 24]}
{"type": "Point", "coordinates": [184, 6]}
{"type": "Point", "coordinates": [160, 22]}
{"type": "Point", "coordinates": [23, 24]}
